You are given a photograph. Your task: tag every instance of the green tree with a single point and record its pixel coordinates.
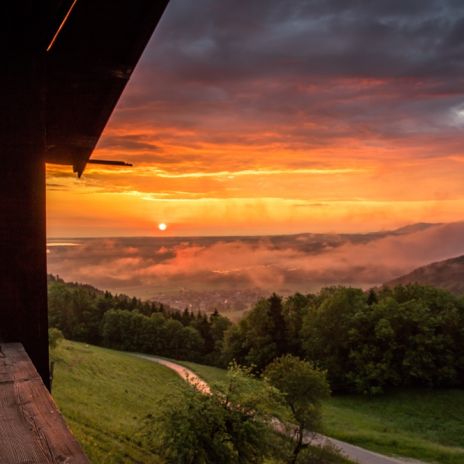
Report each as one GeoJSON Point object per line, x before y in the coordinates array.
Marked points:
{"type": "Point", "coordinates": [159, 339]}
{"type": "Point", "coordinates": [219, 325]}
{"type": "Point", "coordinates": [191, 343]}
{"type": "Point", "coordinates": [228, 426]}
{"type": "Point", "coordinates": [235, 346]}
{"type": "Point", "coordinates": [326, 332]}
{"type": "Point", "coordinates": [410, 337]}
{"type": "Point", "coordinates": [259, 337]}
{"type": "Point", "coordinates": [173, 331]}
{"type": "Point", "coordinates": [372, 297]}
{"type": "Point", "coordinates": [294, 309]}
{"type": "Point", "coordinates": [304, 387]}
{"type": "Point", "coordinates": [278, 325]}
{"type": "Point", "coordinates": [405, 344]}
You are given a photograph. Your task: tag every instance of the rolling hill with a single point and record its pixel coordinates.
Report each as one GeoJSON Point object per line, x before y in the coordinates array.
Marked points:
{"type": "Point", "coordinates": [447, 274]}
{"type": "Point", "coordinates": [105, 395]}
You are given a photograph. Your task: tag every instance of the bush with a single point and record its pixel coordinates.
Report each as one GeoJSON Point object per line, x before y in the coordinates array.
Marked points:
{"type": "Point", "coordinates": [228, 426]}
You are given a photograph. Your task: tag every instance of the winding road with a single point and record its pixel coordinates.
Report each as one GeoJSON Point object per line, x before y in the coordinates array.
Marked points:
{"type": "Point", "coordinates": [355, 453]}
{"type": "Point", "coordinates": [182, 371]}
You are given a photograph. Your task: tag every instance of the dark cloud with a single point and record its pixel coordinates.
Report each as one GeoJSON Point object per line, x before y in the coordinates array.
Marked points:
{"type": "Point", "coordinates": [302, 74]}
{"type": "Point", "coordinates": [55, 186]}
{"type": "Point", "coordinates": [128, 142]}
{"type": "Point", "coordinates": [211, 40]}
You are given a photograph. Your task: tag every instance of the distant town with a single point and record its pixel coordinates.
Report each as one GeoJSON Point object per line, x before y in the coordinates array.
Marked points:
{"type": "Point", "coordinates": [228, 301]}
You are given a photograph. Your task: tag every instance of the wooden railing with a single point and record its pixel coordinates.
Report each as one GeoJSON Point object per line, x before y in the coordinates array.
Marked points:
{"type": "Point", "coordinates": [32, 430]}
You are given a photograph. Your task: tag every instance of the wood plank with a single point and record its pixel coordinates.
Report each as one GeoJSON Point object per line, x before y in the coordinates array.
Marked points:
{"type": "Point", "coordinates": [32, 430]}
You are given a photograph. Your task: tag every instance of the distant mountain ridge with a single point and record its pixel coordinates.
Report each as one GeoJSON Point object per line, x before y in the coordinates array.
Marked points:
{"type": "Point", "coordinates": [447, 274]}
{"type": "Point", "coordinates": [416, 227]}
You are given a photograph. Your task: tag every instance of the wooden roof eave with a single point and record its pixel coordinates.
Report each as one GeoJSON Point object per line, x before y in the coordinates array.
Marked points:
{"type": "Point", "coordinates": [88, 67]}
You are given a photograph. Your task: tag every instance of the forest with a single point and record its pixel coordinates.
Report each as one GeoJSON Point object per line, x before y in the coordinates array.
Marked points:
{"type": "Point", "coordinates": [366, 341]}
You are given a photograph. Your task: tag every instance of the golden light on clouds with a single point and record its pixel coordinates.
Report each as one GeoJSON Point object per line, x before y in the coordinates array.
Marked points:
{"type": "Point", "coordinates": [244, 129]}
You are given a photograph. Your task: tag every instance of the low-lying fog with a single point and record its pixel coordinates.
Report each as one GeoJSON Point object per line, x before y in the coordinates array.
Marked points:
{"type": "Point", "coordinates": [150, 267]}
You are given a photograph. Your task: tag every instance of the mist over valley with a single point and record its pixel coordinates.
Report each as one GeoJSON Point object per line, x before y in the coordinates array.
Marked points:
{"type": "Point", "coordinates": [231, 273]}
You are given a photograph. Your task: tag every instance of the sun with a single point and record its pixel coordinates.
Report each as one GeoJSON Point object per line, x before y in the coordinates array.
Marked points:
{"type": "Point", "coordinates": [162, 226]}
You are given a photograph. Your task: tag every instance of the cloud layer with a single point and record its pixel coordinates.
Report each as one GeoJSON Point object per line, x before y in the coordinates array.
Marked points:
{"type": "Point", "coordinates": [300, 75]}
{"type": "Point", "coordinates": [304, 262]}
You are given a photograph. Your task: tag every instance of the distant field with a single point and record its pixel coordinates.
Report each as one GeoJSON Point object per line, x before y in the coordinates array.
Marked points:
{"type": "Point", "coordinates": [104, 396]}
{"type": "Point", "coordinates": [420, 424]}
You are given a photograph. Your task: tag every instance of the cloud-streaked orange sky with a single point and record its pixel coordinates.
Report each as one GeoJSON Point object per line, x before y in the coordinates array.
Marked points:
{"type": "Point", "coordinates": [278, 117]}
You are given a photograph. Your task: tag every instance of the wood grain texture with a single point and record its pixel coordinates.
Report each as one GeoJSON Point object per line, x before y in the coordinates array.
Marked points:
{"type": "Point", "coordinates": [32, 430]}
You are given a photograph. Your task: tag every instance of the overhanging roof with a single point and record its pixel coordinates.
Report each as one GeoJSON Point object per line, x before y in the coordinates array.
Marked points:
{"type": "Point", "coordinates": [88, 65]}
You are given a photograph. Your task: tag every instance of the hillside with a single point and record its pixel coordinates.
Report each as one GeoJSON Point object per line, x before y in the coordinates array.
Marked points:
{"type": "Point", "coordinates": [105, 395]}
{"type": "Point", "coordinates": [447, 274]}
{"type": "Point", "coordinates": [420, 424]}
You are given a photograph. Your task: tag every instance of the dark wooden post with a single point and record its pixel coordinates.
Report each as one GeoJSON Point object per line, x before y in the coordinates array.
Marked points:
{"type": "Point", "coordinates": [23, 274]}
{"type": "Point", "coordinates": [87, 68]}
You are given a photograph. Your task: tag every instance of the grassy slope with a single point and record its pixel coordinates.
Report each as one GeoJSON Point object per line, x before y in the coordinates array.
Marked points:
{"type": "Point", "coordinates": [426, 425]}
{"type": "Point", "coordinates": [104, 396]}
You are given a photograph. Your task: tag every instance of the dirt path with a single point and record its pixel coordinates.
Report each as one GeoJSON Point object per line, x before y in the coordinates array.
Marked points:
{"type": "Point", "coordinates": [182, 371]}
{"type": "Point", "coordinates": [355, 453]}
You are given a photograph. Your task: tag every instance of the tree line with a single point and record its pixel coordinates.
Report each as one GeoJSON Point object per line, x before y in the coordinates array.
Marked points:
{"type": "Point", "coordinates": [367, 342]}
{"type": "Point", "coordinates": [405, 336]}
{"type": "Point", "coordinates": [84, 313]}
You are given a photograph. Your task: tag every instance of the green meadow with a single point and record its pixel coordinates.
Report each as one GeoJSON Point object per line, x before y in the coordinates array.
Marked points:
{"type": "Point", "coordinates": [105, 395]}
{"type": "Point", "coordinates": [427, 425]}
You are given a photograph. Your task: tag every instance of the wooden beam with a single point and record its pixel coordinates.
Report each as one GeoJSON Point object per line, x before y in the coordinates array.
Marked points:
{"type": "Point", "coordinates": [88, 66]}
{"type": "Point", "coordinates": [32, 429]}
{"type": "Point", "coordinates": [23, 273]}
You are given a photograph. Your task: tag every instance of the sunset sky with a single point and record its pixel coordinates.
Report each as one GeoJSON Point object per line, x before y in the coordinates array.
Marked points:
{"type": "Point", "coordinates": [277, 116]}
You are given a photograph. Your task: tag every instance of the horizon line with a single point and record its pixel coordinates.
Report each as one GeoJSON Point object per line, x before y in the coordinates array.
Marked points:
{"type": "Point", "coordinates": [166, 236]}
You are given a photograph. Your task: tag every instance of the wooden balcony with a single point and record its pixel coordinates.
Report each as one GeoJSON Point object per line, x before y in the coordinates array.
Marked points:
{"type": "Point", "coordinates": [32, 430]}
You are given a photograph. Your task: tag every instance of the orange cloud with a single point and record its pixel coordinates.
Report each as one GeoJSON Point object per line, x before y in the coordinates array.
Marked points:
{"type": "Point", "coordinates": [234, 114]}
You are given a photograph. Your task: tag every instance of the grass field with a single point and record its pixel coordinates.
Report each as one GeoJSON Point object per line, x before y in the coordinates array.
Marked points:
{"type": "Point", "coordinates": [426, 425]}
{"type": "Point", "coordinates": [420, 424]}
{"type": "Point", "coordinates": [104, 396]}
